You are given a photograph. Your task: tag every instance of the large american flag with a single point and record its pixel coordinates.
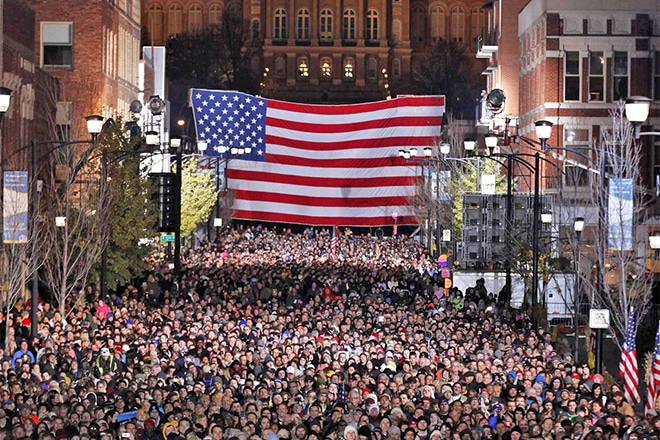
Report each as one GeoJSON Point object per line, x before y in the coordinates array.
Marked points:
{"type": "Point", "coordinates": [653, 388]}
{"type": "Point", "coordinates": [628, 363]}
{"type": "Point", "coordinates": [319, 164]}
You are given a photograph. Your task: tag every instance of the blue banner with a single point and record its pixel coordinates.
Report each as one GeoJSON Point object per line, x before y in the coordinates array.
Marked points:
{"type": "Point", "coordinates": [620, 215]}
{"type": "Point", "coordinates": [15, 207]}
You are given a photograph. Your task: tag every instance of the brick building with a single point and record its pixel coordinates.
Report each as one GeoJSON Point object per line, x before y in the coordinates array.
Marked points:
{"type": "Point", "coordinates": [327, 50]}
{"type": "Point", "coordinates": [30, 109]}
{"type": "Point", "coordinates": [93, 49]}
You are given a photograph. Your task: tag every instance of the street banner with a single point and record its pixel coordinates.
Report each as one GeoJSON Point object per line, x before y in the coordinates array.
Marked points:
{"type": "Point", "coordinates": [15, 207]}
{"type": "Point", "coordinates": [488, 184]}
{"type": "Point", "coordinates": [620, 215]}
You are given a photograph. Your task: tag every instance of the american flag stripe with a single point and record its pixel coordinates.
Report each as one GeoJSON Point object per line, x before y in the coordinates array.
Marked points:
{"type": "Point", "coordinates": [318, 190]}
{"type": "Point", "coordinates": [653, 387]}
{"type": "Point", "coordinates": [408, 121]}
{"type": "Point", "coordinates": [327, 181]}
{"type": "Point", "coordinates": [320, 201]}
{"type": "Point", "coordinates": [279, 217]}
{"type": "Point", "coordinates": [380, 109]}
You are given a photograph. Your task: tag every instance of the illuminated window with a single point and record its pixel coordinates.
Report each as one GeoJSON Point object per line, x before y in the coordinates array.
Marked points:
{"type": "Point", "coordinates": [326, 68]}
{"type": "Point", "coordinates": [596, 78]}
{"type": "Point", "coordinates": [349, 66]}
{"type": "Point", "coordinates": [303, 67]}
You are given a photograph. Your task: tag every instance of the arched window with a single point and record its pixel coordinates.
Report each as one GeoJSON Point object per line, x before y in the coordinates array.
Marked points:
{"type": "Point", "coordinates": [478, 21]}
{"type": "Point", "coordinates": [458, 24]}
{"type": "Point", "coordinates": [372, 24]}
{"type": "Point", "coordinates": [396, 67]}
{"type": "Point", "coordinates": [215, 15]}
{"type": "Point", "coordinates": [326, 25]}
{"type": "Point", "coordinates": [194, 18]}
{"type": "Point", "coordinates": [156, 21]}
{"type": "Point", "coordinates": [396, 31]}
{"type": "Point", "coordinates": [302, 25]}
{"type": "Point", "coordinates": [303, 68]}
{"type": "Point", "coordinates": [372, 69]}
{"type": "Point", "coordinates": [349, 24]}
{"type": "Point", "coordinates": [280, 24]}
{"type": "Point", "coordinates": [236, 11]}
{"type": "Point", "coordinates": [349, 69]}
{"type": "Point", "coordinates": [175, 20]}
{"type": "Point", "coordinates": [256, 28]}
{"type": "Point", "coordinates": [280, 67]}
{"type": "Point", "coordinates": [417, 23]}
{"type": "Point", "coordinates": [326, 68]}
{"type": "Point", "coordinates": [437, 23]}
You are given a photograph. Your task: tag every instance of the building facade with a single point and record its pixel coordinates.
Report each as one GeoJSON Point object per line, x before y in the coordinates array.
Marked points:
{"type": "Point", "coordinates": [330, 50]}
{"type": "Point", "coordinates": [93, 50]}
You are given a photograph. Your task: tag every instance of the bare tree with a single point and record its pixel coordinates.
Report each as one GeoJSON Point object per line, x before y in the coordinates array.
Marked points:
{"type": "Point", "coordinates": [622, 281]}
{"type": "Point", "coordinates": [76, 204]}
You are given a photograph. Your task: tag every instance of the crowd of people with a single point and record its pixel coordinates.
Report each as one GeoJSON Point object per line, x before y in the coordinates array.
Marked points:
{"type": "Point", "coordinates": [272, 336]}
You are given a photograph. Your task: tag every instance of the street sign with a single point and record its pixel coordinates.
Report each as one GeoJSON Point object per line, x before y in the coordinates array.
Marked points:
{"type": "Point", "coordinates": [599, 318]}
{"type": "Point", "coordinates": [167, 238]}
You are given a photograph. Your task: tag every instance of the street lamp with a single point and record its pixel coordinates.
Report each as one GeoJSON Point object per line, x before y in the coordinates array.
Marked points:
{"type": "Point", "coordinates": [445, 148]}
{"type": "Point", "coordinates": [5, 100]}
{"type": "Point", "coordinates": [151, 138]}
{"type": "Point", "coordinates": [546, 217]}
{"type": "Point", "coordinates": [491, 140]}
{"type": "Point", "coordinates": [578, 227]}
{"type": "Point", "coordinates": [94, 125]}
{"type": "Point", "coordinates": [654, 243]}
{"type": "Point", "coordinates": [543, 130]}
{"type": "Point", "coordinates": [637, 111]}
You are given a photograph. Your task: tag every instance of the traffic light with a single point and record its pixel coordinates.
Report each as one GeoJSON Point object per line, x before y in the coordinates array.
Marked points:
{"type": "Point", "coordinates": [164, 195]}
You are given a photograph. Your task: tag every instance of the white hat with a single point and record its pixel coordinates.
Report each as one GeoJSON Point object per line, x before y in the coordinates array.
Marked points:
{"type": "Point", "coordinates": [105, 351]}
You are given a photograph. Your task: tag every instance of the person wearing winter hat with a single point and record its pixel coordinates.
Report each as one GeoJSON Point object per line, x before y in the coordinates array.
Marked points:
{"type": "Point", "coordinates": [350, 433]}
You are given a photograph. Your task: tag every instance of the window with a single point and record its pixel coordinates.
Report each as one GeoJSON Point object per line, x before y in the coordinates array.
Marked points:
{"type": "Point", "coordinates": [194, 18]}
{"type": "Point", "coordinates": [280, 24]}
{"type": "Point", "coordinates": [619, 75]}
{"type": "Point", "coordinates": [215, 15]}
{"type": "Point", "coordinates": [596, 80]}
{"type": "Point", "coordinates": [349, 24]}
{"type": "Point", "coordinates": [372, 24]}
{"type": "Point", "coordinates": [478, 21]}
{"type": "Point", "coordinates": [349, 66]}
{"type": "Point", "coordinates": [572, 76]}
{"type": "Point", "coordinates": [656, 75]}
{"type": "Point", "coordinates": [235, 11]}
{"type": "Point", "coordinates": [326, 25]}
{"type": "Point", "coordinates": [417, 23]}
{"type": "Point", "coordinates": [57, 44]}
{"type": "Point", "coordinates": [63, 118]}
{"type": "Point", "coordinates": [303, 68]}
{"type": "Point", "coordinates": [156, 22]}
{"type": "Point", "coordinates": [396, 31]}
{"type": "Point", "coordinates": [458, 24]}
{"type": "Point", "coordinates": [437, 23]}
{"type": "Point", "coordinates": [302, 27]}
{"type": "Point", "coordinates": [326, 68]}
{"type": "Point", "coordinates": [256, 28]}
{"type": "Point", "coordinates": [175, 20]}
{"type": "Point", "coordinates": [280, 67]}
{"type": "Point", "coordinates": [396, 67]}
{"type": "Point", "coordinates": [372, 69]}
{"type": "Point", "coordinates": [575, 175]}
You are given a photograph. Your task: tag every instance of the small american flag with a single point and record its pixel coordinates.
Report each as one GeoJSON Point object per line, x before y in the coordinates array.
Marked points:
{"type": "Point", "coordinates": [654, 378]}
{"type": "Point", "coordinates": [628, 364]}
{"type": "Point", "coordinates": [333, 244]}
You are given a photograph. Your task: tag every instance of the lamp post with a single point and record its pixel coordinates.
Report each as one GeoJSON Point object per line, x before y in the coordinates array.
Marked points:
{"type": "Point", "coordinates": [637, 110]}
{"type": "Point", "coordinates": [578, 227]}
{"type": "Point", "coordinates": [94, 127]}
